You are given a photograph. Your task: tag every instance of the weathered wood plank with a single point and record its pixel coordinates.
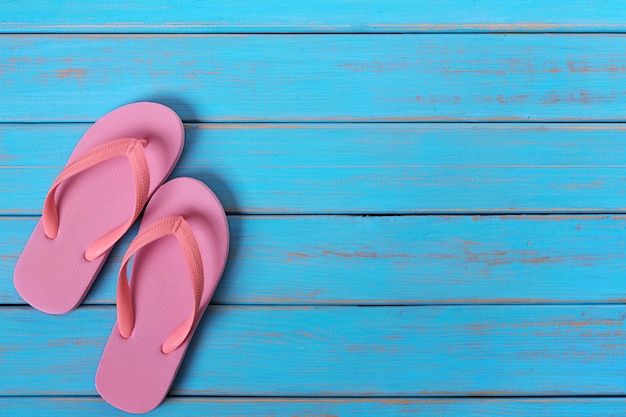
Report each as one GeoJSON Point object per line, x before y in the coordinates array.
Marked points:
{"type": "Point", "coordinates": [170, 16]}
{"type": "Point", "coordinates": [317, 78]}
{"type": "Point", "coordinates": [395, 260]}
{"type": "Point", "coordinates": [363, 168]}
{"type": "Point", "coordinates": [342, 351]}
{"type": "Point", "coordinates": [289, 407]}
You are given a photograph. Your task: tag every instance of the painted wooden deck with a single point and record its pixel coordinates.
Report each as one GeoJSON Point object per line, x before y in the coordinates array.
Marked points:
{"type": "Point", "coordinates": [427, 200]}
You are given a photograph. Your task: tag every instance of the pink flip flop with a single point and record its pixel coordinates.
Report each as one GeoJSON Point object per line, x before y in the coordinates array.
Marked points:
{"type": "Point", "coordinates": [94, 201]}
{"type": "Point", "coordinates": [179, 256]}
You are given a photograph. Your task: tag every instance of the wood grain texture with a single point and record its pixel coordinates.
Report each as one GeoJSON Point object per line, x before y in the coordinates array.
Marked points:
{"type": "Point", "coordinates": [342, 351]}
{"type": "Point", "coordinates": [412, 16]}
{"type": "Point", "coordinates": [362, 168]}
{"type": "Point", "coordinates": [317, 78]}
{"type": "Point", "coordinates": [395, 260]}
{"type": "Point", "coordinates": [312, 305]}
{"type": "Point", "coordinates": [326, 407]}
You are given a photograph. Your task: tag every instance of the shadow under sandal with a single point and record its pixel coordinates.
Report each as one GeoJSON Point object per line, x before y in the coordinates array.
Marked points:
{"type": "Point", "coordinates": [115, 167]}
{"type": "Point", "coordinates": [179, 255]}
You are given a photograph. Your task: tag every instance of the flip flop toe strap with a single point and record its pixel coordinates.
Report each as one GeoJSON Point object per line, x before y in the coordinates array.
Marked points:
{"type": "Point", "coordinates": [127, 147]}
{"type": "Point", "coordinates": [177, 226]}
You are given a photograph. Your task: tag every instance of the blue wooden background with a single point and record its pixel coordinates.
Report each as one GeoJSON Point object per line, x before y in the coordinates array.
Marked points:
{"type": "Point", "coordinates": [426, 199]}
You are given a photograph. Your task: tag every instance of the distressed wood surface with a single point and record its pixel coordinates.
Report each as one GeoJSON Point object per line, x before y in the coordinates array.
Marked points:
{"type": "Point", "coordinates": [281, 16]}
{"type": "Point", "coordinates": [317, 77]}
{"type": "Point", "coordinates": [363, 168]}
{"type": "Point", "coordinates": [342, 351]}
{"type": "Point", "coordinates": [395, 260]}
{"type": "Point", "coordinates": [411, 105]}
{"type": "Point", "coordinates": [327, 407]}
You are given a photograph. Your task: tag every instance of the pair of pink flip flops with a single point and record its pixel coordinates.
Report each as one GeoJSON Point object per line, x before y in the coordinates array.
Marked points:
{"type": "Point", "coordinates": [178, 255]}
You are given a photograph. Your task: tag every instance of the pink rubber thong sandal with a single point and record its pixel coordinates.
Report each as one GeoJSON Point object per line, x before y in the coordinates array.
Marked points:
{"type": "Point", "coordinates": [179, 256]}
{"type": "Point", "coordinates": [115, 167]}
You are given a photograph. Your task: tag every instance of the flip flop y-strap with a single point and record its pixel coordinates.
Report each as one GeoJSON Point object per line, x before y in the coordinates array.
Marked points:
{"type": "Point", "coordinates": [128, 147]}
{"type": "Point", "coordinates": [172, 225]}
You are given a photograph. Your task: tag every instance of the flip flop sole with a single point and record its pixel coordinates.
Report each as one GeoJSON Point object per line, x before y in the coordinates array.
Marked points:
{"type": "Point", "coordinates": [52, 275]}
{"type": "Point", "coordinates": [134, 374]}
